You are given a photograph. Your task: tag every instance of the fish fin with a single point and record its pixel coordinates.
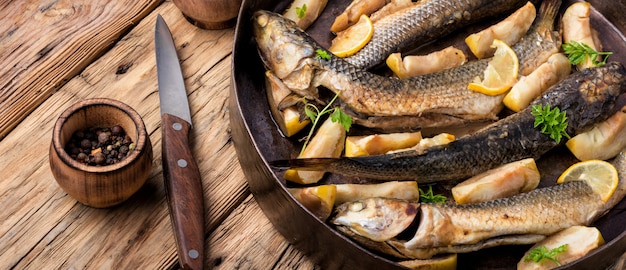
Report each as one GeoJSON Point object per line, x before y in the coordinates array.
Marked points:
{"type": "Point", "coordinates": [305, 164]}
{"type": "Point", "coordinates": [547, 13]}
{"type": "Point", "coordinates": [290, 100]}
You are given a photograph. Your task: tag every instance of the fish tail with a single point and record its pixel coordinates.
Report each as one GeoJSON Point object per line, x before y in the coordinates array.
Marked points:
{"type": "Point", "coordinates": [305, 164]}
{"type": "Point", "coordinates": [548, 11]}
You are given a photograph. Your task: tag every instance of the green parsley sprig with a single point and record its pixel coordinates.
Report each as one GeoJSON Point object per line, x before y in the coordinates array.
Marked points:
{"type": "Point", "coordinates": [336, 115]}
{"type": "Point", "coordinates": [577, 51]}
{"type": "Point", "coordinates": [540, 253]}
{"type": "Point", "coordinates": [322, 54]}
{"type": "Point", "coordinates": [300, 11]}
{"type": "Point", "coordinates": [552, 122]}
{"type": "Point", "coordinates": [430, 197]}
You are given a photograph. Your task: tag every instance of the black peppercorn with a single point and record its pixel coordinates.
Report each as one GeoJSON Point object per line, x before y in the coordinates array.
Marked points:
{"type": "Point", "coordinates": [100, 146]}
{"type": "Point", "coordinates": [82, 157]}
{"type": "Point", "coordinates": [85, 144]}
{"type": "Point", "coordinates": [99, 158]}
{"type": "Point", "coordinates": [116, 130]}
{"type": "Point", "coordinates": [103, 137]}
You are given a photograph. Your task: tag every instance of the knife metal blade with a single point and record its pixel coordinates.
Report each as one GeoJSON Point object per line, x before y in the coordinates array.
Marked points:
{"type": "Point", "coordinates": [183, 184]}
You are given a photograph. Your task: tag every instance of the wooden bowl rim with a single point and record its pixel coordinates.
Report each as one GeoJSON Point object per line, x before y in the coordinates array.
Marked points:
{"type": "Point", "coordinates": [140, 144]}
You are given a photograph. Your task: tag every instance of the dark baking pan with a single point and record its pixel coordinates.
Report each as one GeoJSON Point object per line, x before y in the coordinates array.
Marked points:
{"type": "Point", "coordinates": [258, 141]}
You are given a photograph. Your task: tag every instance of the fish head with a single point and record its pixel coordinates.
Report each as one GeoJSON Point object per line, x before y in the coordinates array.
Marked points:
{"type": "Point", "coordinates": [378, 219]}
{"type": "Point", "coordinates": [285, 49]}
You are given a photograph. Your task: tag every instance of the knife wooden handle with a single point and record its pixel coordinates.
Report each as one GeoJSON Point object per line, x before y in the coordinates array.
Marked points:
{"type": "Point", "coordinates": [183, 187]}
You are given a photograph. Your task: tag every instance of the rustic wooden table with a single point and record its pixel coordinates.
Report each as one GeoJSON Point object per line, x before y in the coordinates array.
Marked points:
{"type": "Point", "coordinates": [56, 53]}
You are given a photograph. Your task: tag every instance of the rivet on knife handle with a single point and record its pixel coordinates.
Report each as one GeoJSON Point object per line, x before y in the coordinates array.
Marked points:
{"type": "Point", "coordinates": [184, 191]}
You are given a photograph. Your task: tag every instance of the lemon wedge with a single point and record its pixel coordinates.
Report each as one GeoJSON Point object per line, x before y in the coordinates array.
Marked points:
{"type": "Point", "coordinates": [351, 40]}
{"type": "Point", "coordinates": [600, 175]}
{"type": "Point", "coordinates": [501, 72]}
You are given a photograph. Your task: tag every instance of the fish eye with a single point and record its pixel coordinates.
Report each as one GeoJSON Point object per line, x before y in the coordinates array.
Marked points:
{"type": "Point", "coordinates": [262, 19]}
{"type": "Point", "coordinates": [357, 206]}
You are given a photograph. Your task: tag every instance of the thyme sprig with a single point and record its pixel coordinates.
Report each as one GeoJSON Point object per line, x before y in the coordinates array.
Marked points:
{"type": "Point", "coordinates": [336, 115]}
{"type": "Point", "coordinates": [577, 51]}
{"type": "Point", "coordinates": [540, 253]}
{"type": "Point", "coordinates": [551, 122]}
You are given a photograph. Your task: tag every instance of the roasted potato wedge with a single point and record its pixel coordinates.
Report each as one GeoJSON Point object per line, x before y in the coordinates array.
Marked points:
{"type": "Point", "coordinates": [576, 27]}
{"type": "Point", "coordinates": [328, 142]}
{"type": "Point", "coordinates": [403, 190]}
{"type": "Point", "coordinates": [380, 143]}
{"type": "Point", "coordinates": [305, 12]}
{"type": "Point", "coordinates": [416, 65]}
{"type": "Point", "coordinates": [604, 141]}
{"type": "Point", "coordinates": [580, 240]}
{"type": "Point", "coordinates": [509, 30]}
{"type": "Point", "coordinates": [288, 119]}
{"type": "Point", "coordinates": [530, 87]}
{"type": "Point", "coordinates": [503, 181]}
{"type": "Point", "coordinates": [320, 200]}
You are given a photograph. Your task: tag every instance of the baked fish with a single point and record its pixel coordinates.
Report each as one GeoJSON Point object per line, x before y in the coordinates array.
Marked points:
{"type": "Point", "coordinates": [587, 97]}
{"type": "Point", "coordinates": [433, 100]}
{"type": "Point", "coordinates": [448, 228]}
{"type": "Point", "coordinates": [424, 22]}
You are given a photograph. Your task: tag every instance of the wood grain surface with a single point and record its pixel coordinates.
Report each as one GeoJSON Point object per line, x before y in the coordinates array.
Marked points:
{"type": "Point", "coordinates": [57, 53]}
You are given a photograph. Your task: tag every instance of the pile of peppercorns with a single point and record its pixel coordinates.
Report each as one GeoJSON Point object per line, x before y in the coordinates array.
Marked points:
{"type": "Point", "coordinates": [100, 146]}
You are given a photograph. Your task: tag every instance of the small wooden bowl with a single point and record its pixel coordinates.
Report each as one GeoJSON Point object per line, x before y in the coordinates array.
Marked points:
{"type": "Point", "coordinates": [210, 14]}
{"type": "Point", "coordinates": [100, 186]}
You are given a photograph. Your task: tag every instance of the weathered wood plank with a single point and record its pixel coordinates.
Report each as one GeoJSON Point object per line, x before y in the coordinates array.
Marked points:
{"type": "Point", "coordinates": [247, 240]}
{"type": "Point", "coordinates": [44, 228]}
{"type": "Point", "coordinates": [46, 43]}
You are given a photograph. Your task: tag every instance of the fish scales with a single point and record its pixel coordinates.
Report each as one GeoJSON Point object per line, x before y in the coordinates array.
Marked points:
{"type": "Point", "coordinates": [587, 97]}
{"type": "Point", "coordinates": [438, 99]}
{"type": "Point", "coordinates": [291, 55]}
{"type": "Point", "coordinates": [424, 22]}
{"type": "Point", "coordinates": [541, 211]}
{"type": "Point", "coordinates": [540, 42]}
{"type": "Point", "coordinates": [375, 95]}
{"type": "Point", "coordinates": [449, 228]}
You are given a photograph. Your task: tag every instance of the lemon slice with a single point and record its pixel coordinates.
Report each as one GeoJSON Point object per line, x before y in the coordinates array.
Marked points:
{"type": "Point", "coordinates": [351, 40]}
{"type": "Point", "coordinates": [501, 72]}
{"type": "Point", "coordinates": [600, 175]}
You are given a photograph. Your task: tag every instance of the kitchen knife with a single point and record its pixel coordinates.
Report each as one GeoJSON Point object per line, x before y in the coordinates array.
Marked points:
{"type": "Point", "coordinates": [183, 185]}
